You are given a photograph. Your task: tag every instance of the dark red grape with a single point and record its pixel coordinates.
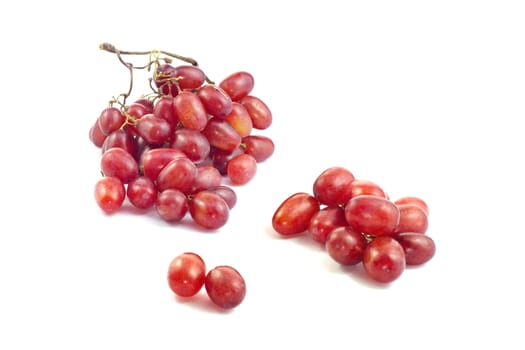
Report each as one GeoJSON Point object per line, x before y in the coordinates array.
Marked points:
{"type": "Point", "coordinates": [208, 209]}
{"type": "Point", "coordinates": [192, 142]}
{"type": "Point", "coordinates": [419, 248]}
{"type": "Point", "coordinates": [384, 259]}
{"type": "Point", "coordinates": [258, 146]}
{"type": "Point", "coordinates": [96, 135]}
{"type": "Point", "coordinates": [345, 245]}
{"type": "Point", "coordinates": [222, 135]}
{"type": "Point", "coordinates": [216, 101]}
{"type": "Point", "coordinates": [120, 138]}
{"type": "Point", "coordinates": [225, 286]}
{"type": "Point", "coordinates": [171, 205]}
{"type": "Point", "coordinates": [110, 119]}
{"type": "Point", "coordinates": [324, 221]}
{"type": "Point", "coordinates": [227, 193]}
{"type": "Point", "coordinates": [179, 174]}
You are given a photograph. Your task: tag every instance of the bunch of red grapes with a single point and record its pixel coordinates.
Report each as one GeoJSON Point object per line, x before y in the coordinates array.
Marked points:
{"type": "Point", "coordinates": [180, 148]}
{"type": "Point", "coordinates": [224, 285]}
{"type": "Point", "coordinates": [356, 222]}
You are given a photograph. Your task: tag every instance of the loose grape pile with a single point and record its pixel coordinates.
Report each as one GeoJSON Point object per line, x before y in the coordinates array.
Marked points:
{"type": "Point", "coordinates": [224, 285]}
{"type": "Point", "coordinates": [180, 148]}
{"type": "Point", "coordinates": [356, 222]}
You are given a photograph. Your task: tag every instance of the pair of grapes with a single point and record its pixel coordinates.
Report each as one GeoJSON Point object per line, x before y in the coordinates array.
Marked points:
{"type": "Point", "coordinates": [224, 285]}
{"type": "Point", "coordinates": [179, 148]}
{"type": "Point", "coordinates": [357, 222]}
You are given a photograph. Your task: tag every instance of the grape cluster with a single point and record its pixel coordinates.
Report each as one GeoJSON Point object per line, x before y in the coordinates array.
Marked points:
{"type": "Point", "coordinates": [180, 148]}
{"type": "Point", "coordinates": [224, 285]}
{"type": "Point", "coordinates": [356, 222]}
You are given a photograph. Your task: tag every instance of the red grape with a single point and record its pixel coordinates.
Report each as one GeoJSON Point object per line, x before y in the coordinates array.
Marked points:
{"type": "Point", "coordinates": [190, 110]}
{"type": "Point", "coordinates": [359, 187]}
{"type": "Point", "coordinates": [324, 221]}
{"type": "Point", "coordinates": [384, 259]}
{"type": "Point", "coordinates": [192, 142]}
{"type": "Point", "coordinates": [221, 134]}
{"type": "Point", "coordinates": [220, 158]}
{"type": "Point", "coordinates": [241, 169]}
{"type": "Point", "coordinates": [188, 77]}
{"type": "Point", "coordinates": [110, 193]}
{"type": "Point", "coordinates": [110, 119]}
{"type": "Point", "coordinates": [164, 109]}
{"type": "Point", "coordinates": [165, 80]}
{"type": "Point", "coordinates": [415, 201]}
{"type": "Point", "coordinates": [411, 219]}
{"type": "Point", "coordinates": [332, 186]}
{"type": "Point", "coordinates": [372, 215]}
{"type": "Point", "coordinates": [171, 205]}
{"type": "Point", "coordinates": [240, 119]}
{"type": "Point", "coordinates": [142, 192]}
{"type": "Point", "coordinates": [225, 286]}
{"type": "Point", "coordinates": [186, 274]}
{"type": "Point", "coordinates": [153, 160]}
{"type": "Point", "coordinates": [227, 193]}
{"type": "Point", "coordinates": [120, 138]}
{"type": "Point", "coordinates": [216, 101]}
{"type": "Point", "coordinates": [294, 214]}
{"type": "Point", "coordinates": [207, 176]}
{"type": "Point", "coordinates": [119, 163]}
{"type": "Point", "coordinates": [345, 245]}
{"type": "Point", "coordinates": [418, 248]}
{"type": "Point", "coordinates": [237, 85]}
{"type": "Point", "coordinates": [208, 209]}
{"type": "Point", "coordinates": [154, 130]}
{"type": "Point", "coordinates": [96, 135]}
{"type": "Point", "coordinates": [180, 174]}
{"type": "Point", "coordinates": [258, 146]}
{"type": "Point", "coordinates": [259, 112]}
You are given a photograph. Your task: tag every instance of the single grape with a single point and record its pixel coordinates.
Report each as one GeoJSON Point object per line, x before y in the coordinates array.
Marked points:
{"type": "Point", "coordinates": [96, 136]}
{"type": "Point", "coordinates": [216, 101]}
{"type": "Point", "coordinates": [122, 139]}
{"type": "Point", "coordinates": [136, 110]}
{"type": "Point", "coordinates": [332, 186]}
{"type": "Point", "coordinates": [164, 109]}
{"type": "Point", "coordinates": [415, 201]}
{"type": "Point", "coordinates": [359, 187]}
{"type": "Point", "coordinates": [192, 142]}
{"type": "Point", "coordinates": [227, 193]}
{"type": "Point", "coordinates": [241, 169]}
{"type": "Point", "coordinates": [208, 209]}
{"type": "Point", "coordinates": [384, 259]}
{"type": "Point", "coordinates": [207, 176]}
{"type": "Point", "coordinates": [190, 110]}
{"type": "Point", "coordinates": [179, 174]}
{"type": "Point", "coordinates": [419, 248]}
{"type": "Point", "coordinates": [372, 215]}
{"type": "Point", "coordinates": [186, 274]}
{"type": "Point", "coordinates": [324, 221]}
{"type": "Point", "coordinates": [237, 85]}
{"type": "Point", "coordinates": [258, 146]}
{"type": "Point", "coordinates": [110, 119]}
{"type": "Point", "coordinates": [110, 194]}
{"type": "Point", "coordinates": [147, 103]}
{"type": "Point", "coordinates": [345, 245]}
{"type": "Point", "coordinates": [240, 119]}
{"type": "Point", "coordinates": [222, 135]}
{"type": "Point", "coordinates": [171, 205]}
{"type": "Point", "coordinates": [142, 192]}
{"type": "Point", "coordinates": [225, 286]}
{"type": "Point", "coordinates": [189, 77]}
{"type": "Point", "coordinates": [294, 214]}
{"type": "Point", "coordinates": [258, 110]}
{"type": "Point", "coordinates": [411, 219]}
{"type": "Point", "coordinates": [119, 163]}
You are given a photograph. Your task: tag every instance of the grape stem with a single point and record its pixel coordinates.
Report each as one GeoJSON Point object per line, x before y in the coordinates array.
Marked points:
{"type": "Point", "coordinates": [111, 48]}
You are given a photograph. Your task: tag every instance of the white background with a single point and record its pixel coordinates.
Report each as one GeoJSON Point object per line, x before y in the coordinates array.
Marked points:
{"type": "Point", "coordinates": [425, 98]}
